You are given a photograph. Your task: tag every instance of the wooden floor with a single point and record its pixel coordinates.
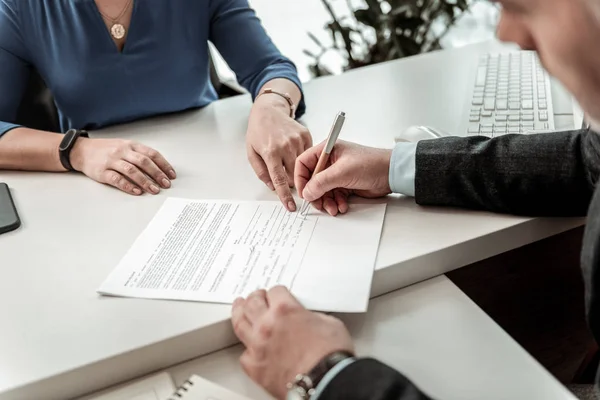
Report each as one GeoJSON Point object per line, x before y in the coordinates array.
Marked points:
{"type": "Point", "coordinates": [535, 293]}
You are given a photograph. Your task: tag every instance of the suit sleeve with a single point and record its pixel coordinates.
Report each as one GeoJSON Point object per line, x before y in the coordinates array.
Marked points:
{"type": "Point", "coordinates": [550, 174]}
{"type": "Point", "coordinates": [368, 379]}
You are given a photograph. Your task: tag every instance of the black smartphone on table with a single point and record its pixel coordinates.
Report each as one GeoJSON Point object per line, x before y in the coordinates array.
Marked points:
{"type": "Point", "coordinates": [9, 218]}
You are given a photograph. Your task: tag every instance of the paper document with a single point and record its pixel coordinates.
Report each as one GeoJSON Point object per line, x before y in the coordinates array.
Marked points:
{"type": "Point", "coordinates": [197, 388]}
{"type": "Point", "coordinates": [216, 251]}
{"type": "Point", "coordinates": [156, 387]}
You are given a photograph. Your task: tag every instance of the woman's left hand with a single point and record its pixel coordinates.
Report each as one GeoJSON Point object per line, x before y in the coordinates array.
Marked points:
{"type": "Point", "coordinates": [274, 140]}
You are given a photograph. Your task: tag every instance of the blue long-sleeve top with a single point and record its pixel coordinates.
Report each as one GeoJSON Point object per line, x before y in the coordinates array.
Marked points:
{"type": "Point", "coordinates": [163, 68]}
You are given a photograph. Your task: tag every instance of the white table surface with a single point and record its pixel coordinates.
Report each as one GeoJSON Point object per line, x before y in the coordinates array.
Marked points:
{"type": "Point", "coordinates": [59, 339]}
{"type": "Point", "coordinates": [431, 332]}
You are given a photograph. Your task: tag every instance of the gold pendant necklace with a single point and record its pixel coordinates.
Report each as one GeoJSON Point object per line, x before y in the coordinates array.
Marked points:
{"type": "Point", "coordinates": [117, 29]}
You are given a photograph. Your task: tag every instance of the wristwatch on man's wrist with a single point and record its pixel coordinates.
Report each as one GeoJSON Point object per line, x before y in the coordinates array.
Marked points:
{"type": "Point", "coordinates": [304, 385]}
{"type": "Point", "coordinates": [66, 145]}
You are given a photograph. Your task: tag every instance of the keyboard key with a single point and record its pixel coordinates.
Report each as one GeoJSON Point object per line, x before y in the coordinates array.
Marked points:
{"type": "Point", "coordinates": [486, 130]}
{"type": "Point", "coordinates": [489, 104]}
{"type": "Point", "coordinates": [477, 101]}
{"type": "Point", "coordinates": [527, 104]}
{"type": "Point", "coordinates": [514, 105]}
{"type": "Point", "coordinates": [541, 126]}
{"type": "Point", "coordinates": [514, 130]}
{"type": "Point", "coordinates": [474, 118]}
{"type": "Point", "coordinates": [486, 113]}
{"type": "Point", "coordinates": [542, 105]}
{"type": "Point", "coordinates": [499, 130]}
{"type": "Point", "coordinates": [473, 128]}
{"type": "Point", "coordinates": [481, 75]}
{"type": "Point", "coordinates": [514, 117]}
{"type": "Point", "coordinates": [500, 118]}
{"type": "Point", "coordinates": [502, 104]}
{"type": "Point", "coordinates": [512, 124]}
{"type": "Point", "coordinates": [543, 115]}
{"type": "Point", "coordinates": [526, 117]}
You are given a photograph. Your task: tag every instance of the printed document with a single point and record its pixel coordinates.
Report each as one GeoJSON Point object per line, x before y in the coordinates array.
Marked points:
{"type": "Point", "coordinates": [216, 251]}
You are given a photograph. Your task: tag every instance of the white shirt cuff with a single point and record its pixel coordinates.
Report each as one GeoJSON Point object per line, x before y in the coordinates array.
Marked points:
{"type": "Point", "coordinates": [403, 167]}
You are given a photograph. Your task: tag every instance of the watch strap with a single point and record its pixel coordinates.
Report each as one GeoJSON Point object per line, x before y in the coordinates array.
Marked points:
{"type": "Point", "coordinates": [66, 145]}
{"type": "Point", "coordinates": [319, 371]}
{"type": "Point", "coordinates": [304, 385]}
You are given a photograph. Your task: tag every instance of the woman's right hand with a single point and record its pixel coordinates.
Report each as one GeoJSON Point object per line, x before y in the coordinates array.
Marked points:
{"type": "Point", "coordinates": [124, 164]}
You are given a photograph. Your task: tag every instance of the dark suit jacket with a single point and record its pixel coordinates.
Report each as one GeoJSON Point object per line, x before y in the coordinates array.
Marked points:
{"type": "Point", "coordinates": [551, 174]}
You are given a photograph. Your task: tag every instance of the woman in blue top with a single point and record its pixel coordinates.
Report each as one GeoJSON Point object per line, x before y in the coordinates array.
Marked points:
{"type": "Point", "coordinates": [112, 61]}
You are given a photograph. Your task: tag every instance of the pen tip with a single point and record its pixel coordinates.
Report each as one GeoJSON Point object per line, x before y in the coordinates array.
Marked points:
{"type": "Point", "coordinates": [343, 114]}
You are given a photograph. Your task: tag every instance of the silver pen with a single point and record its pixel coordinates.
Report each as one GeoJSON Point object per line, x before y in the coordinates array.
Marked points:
{"type": "Point", "coordinates": [340, 118]}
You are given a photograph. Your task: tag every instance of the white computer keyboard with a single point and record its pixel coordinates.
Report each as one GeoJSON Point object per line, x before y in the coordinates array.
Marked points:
{"type": "Point", "coordinates": [511, 95]}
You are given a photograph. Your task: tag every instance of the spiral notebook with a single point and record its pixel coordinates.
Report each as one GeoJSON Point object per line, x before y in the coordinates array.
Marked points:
{"type": "Point", "coordinates": [197, 388]}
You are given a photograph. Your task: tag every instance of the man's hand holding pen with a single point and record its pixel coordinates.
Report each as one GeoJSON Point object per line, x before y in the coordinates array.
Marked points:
{"type": "Point", "coordinates": [352, 169]}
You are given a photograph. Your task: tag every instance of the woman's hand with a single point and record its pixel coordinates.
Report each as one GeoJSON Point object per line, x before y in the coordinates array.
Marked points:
{"type": "Point", "coordinates": [352, 169]}
{"type": "Point", "coordinates": [273, 142]}
{"type": "Point", "coordinates": [126, 165]}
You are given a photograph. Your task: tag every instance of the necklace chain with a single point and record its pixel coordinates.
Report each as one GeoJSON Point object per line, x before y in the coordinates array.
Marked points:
{"type": "Point", "coordinates": [117, 30]}
{"type": "Point", "coordinates": [123, 11]}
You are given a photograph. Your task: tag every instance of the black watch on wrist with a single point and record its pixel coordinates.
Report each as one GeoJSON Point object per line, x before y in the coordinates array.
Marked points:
{"type": "Point", "coordinates": [66, 145]}
{"type": "Point", "coordinates": [304, 386]}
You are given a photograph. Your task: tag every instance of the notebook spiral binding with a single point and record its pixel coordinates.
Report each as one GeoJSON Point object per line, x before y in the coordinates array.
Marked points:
{"type": "Point", "coordinates": [182, 390]}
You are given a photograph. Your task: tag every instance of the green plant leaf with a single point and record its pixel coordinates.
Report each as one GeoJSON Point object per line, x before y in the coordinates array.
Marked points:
{"type": "Point", "coordinates": [407, 10]}
{"type": "Point", "coordinates": [411, 23]}
{"type": "Point", "coordinates": [462, 4]}
{"type": "Point", "coordinates": [391, 30]}
{"type": "Point", "coordinates": [317, 41]}
{"type": "Point", "coordinates": [309, 53]}
{"type": "Point", "coordinates": [366, 17]}
{"type": "Point", "coordinates": [402, 4]}
{"type": "Point", "coordinates": [374, 6]}
{"type": "Point", "coordinates": [408, 45]}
